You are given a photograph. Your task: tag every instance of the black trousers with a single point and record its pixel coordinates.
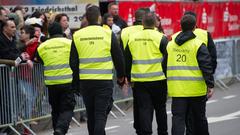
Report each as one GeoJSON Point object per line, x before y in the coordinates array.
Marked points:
{"type": "Point", "coordinates": [147, 97]}
{"type": "Point", "coordinates": [180, 109]}
{"type": "Point", "coordinates": [189, 123]}
{"type": "Point", "coordinates": [97, 97]}
{"type": "Point", "coordinates": [62, 101]}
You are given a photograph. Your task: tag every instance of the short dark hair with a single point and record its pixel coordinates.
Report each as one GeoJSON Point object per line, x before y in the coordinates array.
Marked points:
{"type": "Point", "coordinates": [37, 14]}
{"type": "Point", "coordinates": [140, 13]}
{"type": "Point", "coordinates": [55, 29]}
{"type": "Point", "coordinates": [92, 14]}
{"type": "Point", "coordinates": [29, 30]}
{"type": "Point", "coordinates": [188, 22]}
{"type": "Point", "coordinates": [105, 17]}
{"type": "Point", "coordinates": [58, 17]}
{"type": "Point", "coordinates": [149, 19]}
{"type": "Point", "coordinates": [5, 23]}
{"type": "Point", "coordinates": [111, 4]}
{"type": "Point", "coordinates": [191, 13]}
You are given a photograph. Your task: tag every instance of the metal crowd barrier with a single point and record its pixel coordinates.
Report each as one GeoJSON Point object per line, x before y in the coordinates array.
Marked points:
{"type": "Point", "coordinates": [24, 97]}
{"type": "Point", "coordinates": [228, 58]}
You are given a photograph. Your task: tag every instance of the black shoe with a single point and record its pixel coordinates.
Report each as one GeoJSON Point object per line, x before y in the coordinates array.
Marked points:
{"type": "Point", "coordinates": [58, 132]}
{"type": "Point", "coordinates": [83, 119]}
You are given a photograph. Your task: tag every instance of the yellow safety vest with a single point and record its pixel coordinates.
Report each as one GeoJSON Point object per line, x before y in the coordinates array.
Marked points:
{"type": "Point", "coordinates": [146, 56]}
{"type": "Point", "coordinates": [126, 32]}
{"type": "Point", "coordinates": [93, 45]}
{"type": "Point", "coordinates": [55, 54]}
{"type": "Point", "coordinates": [200, 34]}
{"type": "Point", "coordinates": [184, 77]}
{"type": "Point", "coordinates": [106, 26]}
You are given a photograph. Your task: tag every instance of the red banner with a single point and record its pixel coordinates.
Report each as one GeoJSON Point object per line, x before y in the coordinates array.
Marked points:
{"type": "Point", "coordinates": [221, 19]}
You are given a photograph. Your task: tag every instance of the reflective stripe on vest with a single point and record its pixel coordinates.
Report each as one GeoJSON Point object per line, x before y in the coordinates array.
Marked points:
{"type": "Point", "coordinates": [183, 68]}
{"type": "Point", "coordinates": [185, 78]}
{"type": "Point", "coordinates": [153, 61]}
{"type": "Point", "coordinates": [95, 71]}
{"type": "Point", "coordinates": [95, 60]}
{"type": "Point", "coordinates": [58, 77]}
{"type": "Point", "coordinates": [146, 75]}
{"type": "Point", "coordinates": [53, 67]}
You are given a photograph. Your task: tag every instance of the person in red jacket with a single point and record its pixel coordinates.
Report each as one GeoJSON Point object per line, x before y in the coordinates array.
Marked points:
{"type": "Point", "coordinates": [29, 41]}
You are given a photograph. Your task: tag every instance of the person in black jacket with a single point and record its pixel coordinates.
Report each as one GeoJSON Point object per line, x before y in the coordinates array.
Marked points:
{"type": "Point", "coordinates": [119, 23]}
{"type": "Point", "coordinates": [58, 77]}
{"type": "Point", "coordinates": [190, 79]}
{"type": "Point", "coordinates": [8, 51]}
{"type": "Point", "coordinates": [94, 51]}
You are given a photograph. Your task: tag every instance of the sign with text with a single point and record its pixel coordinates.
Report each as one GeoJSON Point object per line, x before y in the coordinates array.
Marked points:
{"type": "Point", "coordinates": [73, 8]}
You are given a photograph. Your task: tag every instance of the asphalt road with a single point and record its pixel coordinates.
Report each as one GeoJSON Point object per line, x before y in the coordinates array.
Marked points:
{"type": "Point", "coordinates": [223, 112]}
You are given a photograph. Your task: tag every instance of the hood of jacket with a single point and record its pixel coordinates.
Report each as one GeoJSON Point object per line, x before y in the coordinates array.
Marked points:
{"type": "Point", "coordinates": [183, 37]}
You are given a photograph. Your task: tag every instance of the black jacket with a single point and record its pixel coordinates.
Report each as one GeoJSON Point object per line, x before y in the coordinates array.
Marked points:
{"type": "Point", "coordinates": [213, 52]}
{"type": "Point", "coordinates": [119, 22]}
{"type": "Point", "coordinates": [203, 57]}
{"type": "Point", "coordinates": [8, 49]}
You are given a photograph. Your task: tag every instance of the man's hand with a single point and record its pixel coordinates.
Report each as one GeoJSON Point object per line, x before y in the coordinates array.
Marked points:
{"type": "Point", "coordinates": [210, 93]}
{"type": "Point", "coordinates": [30, 63]}
{"type": "Point", "coordinates": [25, 56]}
{"type": "Point", "coordinates": [123, 84]}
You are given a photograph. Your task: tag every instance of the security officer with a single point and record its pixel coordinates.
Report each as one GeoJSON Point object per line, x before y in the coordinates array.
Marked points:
{"type": "Point", "coordinates": [144, 54]}
{"type": "Point", "coordinates": [190, 78]}
{"type": "Point", "coordinates": [54, 55]}
{"type": "Point", "coordinates": [137, 26]}
{"type": "Point", "coordinates": [204, 36]}
{"type": "Point", "coordinates": [94, 51]}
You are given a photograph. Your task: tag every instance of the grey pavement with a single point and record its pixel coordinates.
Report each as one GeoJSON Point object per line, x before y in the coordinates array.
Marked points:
{"type": "Point", "coordinates": [223, 112]}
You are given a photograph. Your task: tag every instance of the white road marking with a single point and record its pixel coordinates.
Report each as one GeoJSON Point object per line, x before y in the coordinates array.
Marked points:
{"type": "Point", "coordinates": [228, 97]}
{"type": "Point", "coordinates": [224, 117]}
{"type": "Point", "coordinates": [169, 112]}
{"type": "Point", "coordinates": [112, 127]}
{"type": "Point", "coordinates": [211, 101]}
{"type": "Point", "coordinates": [131, 122]}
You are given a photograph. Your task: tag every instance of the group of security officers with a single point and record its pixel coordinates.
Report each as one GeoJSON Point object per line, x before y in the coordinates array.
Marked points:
{"type": "Point", "coordinates": [145, 60]}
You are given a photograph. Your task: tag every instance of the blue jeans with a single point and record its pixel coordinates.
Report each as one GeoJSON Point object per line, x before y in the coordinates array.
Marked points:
{"type": "Point", "coordinates": [27, 99]}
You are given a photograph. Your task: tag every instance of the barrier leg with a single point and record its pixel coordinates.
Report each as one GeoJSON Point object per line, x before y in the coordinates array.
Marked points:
{"type": "Point", "coordinates": [223, 84]}
{"type": "Point", "coordinates": [14, 130]}
{"type": "Point", "coordinates": [219, 85]}
{"type": "Point", "coordinates": [113, 114]}
{"type": "Point", "coordinates": [238, 77]}
{"type": "Point", "coordinates": [76, 122]}
{"type": "Point", "coordinates": [119, 109]}
{"type": "Point", "coordinates": [29, 129]}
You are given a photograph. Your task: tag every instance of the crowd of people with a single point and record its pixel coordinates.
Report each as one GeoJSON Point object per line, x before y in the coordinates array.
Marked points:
{"type": "Point", "coordinates": [153, 65]}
